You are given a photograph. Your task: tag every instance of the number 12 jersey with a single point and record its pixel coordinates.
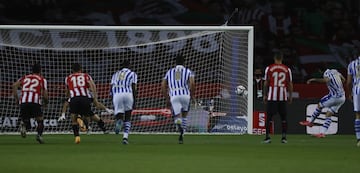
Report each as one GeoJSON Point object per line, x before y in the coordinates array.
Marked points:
{"type": "Point", "coordinates": [279, 76]}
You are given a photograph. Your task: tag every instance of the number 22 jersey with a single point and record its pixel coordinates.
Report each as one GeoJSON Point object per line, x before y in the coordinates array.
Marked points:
{"type": "Point", "coordinates": [31, 87]}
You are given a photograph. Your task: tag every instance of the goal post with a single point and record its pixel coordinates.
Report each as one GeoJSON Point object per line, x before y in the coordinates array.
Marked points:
{"type": "Point", "coordinates": [221, 57]}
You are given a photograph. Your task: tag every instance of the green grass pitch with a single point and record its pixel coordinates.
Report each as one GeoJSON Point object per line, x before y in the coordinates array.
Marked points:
{"type": "Point", "coordinates": [162, 154]}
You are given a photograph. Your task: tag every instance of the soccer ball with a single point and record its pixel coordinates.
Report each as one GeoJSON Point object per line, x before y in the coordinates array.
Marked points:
{"type": "Point", "coordinates": [240, 90]}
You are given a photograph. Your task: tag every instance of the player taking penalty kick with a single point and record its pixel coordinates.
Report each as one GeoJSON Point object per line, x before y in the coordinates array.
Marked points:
{"type": "Point", "coordinates": [333, 101]}
{"type": "Point", "coordinates": [87, 119]}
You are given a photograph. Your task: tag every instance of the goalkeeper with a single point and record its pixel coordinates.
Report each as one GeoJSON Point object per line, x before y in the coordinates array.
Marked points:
{"type": "Point", "coordinates": [78, 88]}
{"type": "Point", "coordinates": [87, 119]}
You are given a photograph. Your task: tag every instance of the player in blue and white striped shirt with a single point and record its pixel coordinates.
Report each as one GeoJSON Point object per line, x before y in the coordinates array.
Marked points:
{"type": "Point", "coordinates": [178, 87]}
{"type": "Point", "coordinates": [334, 100]}
{"type": "Point", "coordinates": [353, 83]}
{"type": "Point", "coordinates": [124, 91]}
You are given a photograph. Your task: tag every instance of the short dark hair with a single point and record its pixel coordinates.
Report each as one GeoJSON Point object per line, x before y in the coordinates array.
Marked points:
{"type": "Point", "coordinates": [125, 63]}
{"type": "Point", "coordinates": [180, 60]}
{"type": "Point", "coordinates": [76, 67]}
{"type": "Point", "coordinates": [323, 66]}
{"type": "Point", "coordinates": [278, 55]}
{"type": "Point", "coordinates": [36, 68]}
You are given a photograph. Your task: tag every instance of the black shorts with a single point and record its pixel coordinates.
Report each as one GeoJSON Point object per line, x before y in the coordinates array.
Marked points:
{"type": "Point", "coordinates": [81, 106]}
{"type": "Point", "coordinates": [277, 107]}
{"type": "Point", "coordinates": [30, 110]}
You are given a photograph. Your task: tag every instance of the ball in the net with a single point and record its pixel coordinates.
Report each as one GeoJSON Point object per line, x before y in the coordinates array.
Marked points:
{"type": "Point", "coordinates": [239, 90]}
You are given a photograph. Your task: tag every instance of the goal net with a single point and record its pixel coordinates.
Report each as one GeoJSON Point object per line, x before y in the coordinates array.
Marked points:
{"type": "Point", "coordinates": [221, 58]}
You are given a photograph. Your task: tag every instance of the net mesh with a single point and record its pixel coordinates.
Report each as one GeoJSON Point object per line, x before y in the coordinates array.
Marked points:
{"type": "Point", "coordinates": [219, 59]}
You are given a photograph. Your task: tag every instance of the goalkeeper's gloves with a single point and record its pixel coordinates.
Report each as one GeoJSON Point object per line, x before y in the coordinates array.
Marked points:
{"type": "Point", "coordinates": [110, 111]}
{"type": "Point", "coordinates": [62, 117]}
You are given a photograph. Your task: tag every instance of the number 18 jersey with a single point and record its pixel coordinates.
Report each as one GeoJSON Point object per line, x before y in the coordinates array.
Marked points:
{"type": "Point", "coordinates": [78, 84]}
{"type": "Point", "coordinates": [278, 76]}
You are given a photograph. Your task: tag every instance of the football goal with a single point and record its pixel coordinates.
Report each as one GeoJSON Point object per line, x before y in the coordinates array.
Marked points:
{"type": "Point", "coordinates": [221, 57]}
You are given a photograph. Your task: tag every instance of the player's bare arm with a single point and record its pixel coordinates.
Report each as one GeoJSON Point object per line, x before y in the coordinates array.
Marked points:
{"type": "Point", "coordinates": [99, 105]}
{"type": "Point", "coordinates": [342, 78]}
{"type": "Point", "coordinates": [134, 92]}
{"type": "Point", "coordinates": [63, 111]}
{"type": "Point", "coordinates": [45, 95]}
{"type": "Point", "coordinates": [67, 92]}
{"type": "Point", "coordinates": [291, 89]}
{"type": "Point", "coordinates": [92, 88]}
{"type": "Point", "coordinates": [64, 107]}
{"type": "Point", "coordinates": [15, 87]}
{"type": "Point", "coordinates": [192, 87]}
{"type": "Point", "coordinates": [349, 85]}
{"type": "Point", "coordinates": [164, 91]}
{"type": "Point", "coordinates": [265, 90]}
{"type": "Point", "coordinates": [319, 80]}
{"type": "Point", "coordinates": [134, 89]}
{"type": "Point", "coordinates": [164, 88]}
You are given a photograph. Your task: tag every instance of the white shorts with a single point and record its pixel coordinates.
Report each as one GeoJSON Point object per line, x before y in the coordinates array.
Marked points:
{"type": "Point", "coordinates": [356, 102]}
{"type": "Point", "coordinates": [123, 102]}
{"type": "Point", "coordinates": [333, 103]}
{"type": "Point", "coordinates": [180, 104]}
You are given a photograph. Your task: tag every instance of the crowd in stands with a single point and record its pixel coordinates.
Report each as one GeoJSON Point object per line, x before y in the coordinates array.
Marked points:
{"type": "Point", "coordinates": [308, 32]}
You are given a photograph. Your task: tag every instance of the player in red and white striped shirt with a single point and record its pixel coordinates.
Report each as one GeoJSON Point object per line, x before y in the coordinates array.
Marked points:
{"type": "Point", "coordinates": [79, 86]}
{"type": "Point", "coordinates": [33, 91]}
{"type": "Point", "coordinates": [278, 89]}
